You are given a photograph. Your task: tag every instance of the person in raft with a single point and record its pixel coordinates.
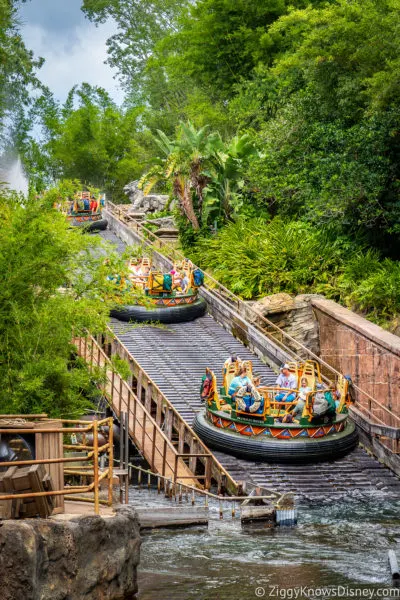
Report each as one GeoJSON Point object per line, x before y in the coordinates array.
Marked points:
{"type": "Point", "coordinates": [287, 381]}
{"type": "Point", "coordinates": [94, 204]}
{"type": "Point", "coordinates": [241, 380]}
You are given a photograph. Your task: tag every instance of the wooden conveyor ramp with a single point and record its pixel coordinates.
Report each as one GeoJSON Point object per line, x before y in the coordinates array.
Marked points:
{"type": "Point", "coordinates": [146, 434]}
{"type": "Point", "coordinates": [175, 359]}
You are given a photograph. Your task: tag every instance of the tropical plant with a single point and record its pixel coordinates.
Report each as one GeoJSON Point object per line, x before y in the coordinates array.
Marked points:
{"type": "Point", "coordinates": [205, 173]}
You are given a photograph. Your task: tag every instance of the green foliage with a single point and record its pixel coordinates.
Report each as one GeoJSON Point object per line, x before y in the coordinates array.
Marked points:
{"type": "Point", "coordinates": [141, 25]}
{"type": "Point", "coordinates": [17, 72]}
{"type": "Point", "coordinates": [205, 174]}
{"type": "Point", "coordinates": [88, 138]}
{"type": "Point", "coordinates": [54, 287]}
{"type": "Point", "coordinates": [254, 258]}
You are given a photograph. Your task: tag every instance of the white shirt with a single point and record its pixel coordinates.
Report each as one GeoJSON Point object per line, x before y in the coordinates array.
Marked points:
{"type": "Point", "coordinates": [289, 382]}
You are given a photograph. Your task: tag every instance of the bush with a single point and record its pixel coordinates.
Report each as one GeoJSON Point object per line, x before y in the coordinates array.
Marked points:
{"type": "Point", "coordinates": [255, 258]}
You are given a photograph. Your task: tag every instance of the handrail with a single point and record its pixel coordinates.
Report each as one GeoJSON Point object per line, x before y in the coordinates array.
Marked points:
{"type": "Point", "coordinates": [178, 416]}
{"type": "Point", "coordinates": [156, 433]}
{"type": "Point", "coordinates": [130, 392]}
{"type": "Point", "coordinates": [227, 296]}
{"type": "Point", "coordinates": [92, 456]}
{"type": "Point", "coordinates": [272, 494]}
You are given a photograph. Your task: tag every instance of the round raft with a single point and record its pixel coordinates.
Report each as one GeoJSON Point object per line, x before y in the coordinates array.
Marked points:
{"type": "Point", "coordinates": [88, 222]}
{"type": "Point", "coordinates": [290, 443]}
{"type": "Point", "coordinates": [276, 424]}
{"type": "Point", "coordinates": [170, 297]}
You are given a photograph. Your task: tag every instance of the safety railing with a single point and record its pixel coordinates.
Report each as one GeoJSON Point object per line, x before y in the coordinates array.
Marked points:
{"type": "Point", "coordinates": [152, 441]}
{"type": "Point", "coordinates": [371, 409]}
{"type": "Point", "coordinates": [178, 491]}
{"type": "Point", "coordinates": [87, 451]}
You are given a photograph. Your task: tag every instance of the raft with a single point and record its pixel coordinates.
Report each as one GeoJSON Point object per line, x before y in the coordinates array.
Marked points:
{"type": "Point", "coordinates": [165, 301]}
{"type": "Point", "coordinates": [264, 429]}
{"type": "Point", "coordinates": [90, 222]}
{"type": "Point", "coordinates": [281, 444]}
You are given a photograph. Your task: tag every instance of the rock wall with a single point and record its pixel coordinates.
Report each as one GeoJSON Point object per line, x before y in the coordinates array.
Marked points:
{"type": "Point", "coordinates": [294, 315]}
{"type": "Point", "coordinates": [82, 558]}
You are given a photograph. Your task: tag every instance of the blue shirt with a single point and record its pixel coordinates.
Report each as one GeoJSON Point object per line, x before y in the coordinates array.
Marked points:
{"type": "Point", "coordinates": [238, 382]}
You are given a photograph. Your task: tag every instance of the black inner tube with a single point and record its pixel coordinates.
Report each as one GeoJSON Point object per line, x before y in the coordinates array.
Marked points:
{"type": "Point", "coordinates": [164, 314]}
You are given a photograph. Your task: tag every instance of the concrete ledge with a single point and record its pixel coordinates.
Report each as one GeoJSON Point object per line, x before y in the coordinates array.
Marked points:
{"type": "Point", "coordinates": [379, 336]}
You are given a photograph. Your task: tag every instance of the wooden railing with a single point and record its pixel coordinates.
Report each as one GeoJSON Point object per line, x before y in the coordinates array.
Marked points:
{"type": "Point", "coordinates": [91, 453]}
{"type": "Point", "coordinates": [371, 410]}
{"type": "Point", "coordinates": [153, 435]}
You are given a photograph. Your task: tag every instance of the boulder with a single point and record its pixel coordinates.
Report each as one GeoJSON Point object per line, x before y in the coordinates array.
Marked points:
{"type": "Point", "coordinates": [79, 558]}
{"type": "Point", "coordinates": [277, 303]}
{"type": "Point", "coordinates": [292, 314]}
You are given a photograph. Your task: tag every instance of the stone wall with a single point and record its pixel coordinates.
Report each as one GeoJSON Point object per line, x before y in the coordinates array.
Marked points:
{"type": "Point", "coordinates": [82, 558]}
{"type": "Point", "coordinates": [292, 314]}
{"type": "Point", "coordinates": [357, 347]}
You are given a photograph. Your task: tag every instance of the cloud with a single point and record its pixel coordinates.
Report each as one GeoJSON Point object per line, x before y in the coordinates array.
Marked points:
{"type": "Point", "coordinates": [52, 15]}
{"type": "Point", "coordinates": [73, 55]}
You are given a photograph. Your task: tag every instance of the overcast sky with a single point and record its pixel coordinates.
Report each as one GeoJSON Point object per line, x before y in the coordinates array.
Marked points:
{"type": "Point", "coordinates": [73, 47]}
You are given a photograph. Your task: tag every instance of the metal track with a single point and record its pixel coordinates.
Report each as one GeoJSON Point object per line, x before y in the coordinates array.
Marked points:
{"type": "Point", "coordinates": [176, 357]}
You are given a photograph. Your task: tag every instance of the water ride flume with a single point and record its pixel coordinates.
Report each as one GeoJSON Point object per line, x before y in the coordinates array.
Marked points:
{"type": "Point", "coordinates": [85, 210]}
{"type": "Point", "coordinates": [305, 422]}
{"type": "Point", "coordinates": [171, 297]}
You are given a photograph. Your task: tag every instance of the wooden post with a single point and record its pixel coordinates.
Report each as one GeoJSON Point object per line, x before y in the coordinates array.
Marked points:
{"type": "Point", "coordinates": [110, 460]}
{"type": "Point", "coordinates": [208, 468]}
{"type": "Point", "coordinates": [153, 449]}
{"type": "Point", "coordinates": [168, 423]}
{"type": "Point", "coordinates": [134, 417]}
{"type": "Point", "coordinates": [120, 394]}
{"type": "Point", "coordinates": [149, 390]}
{"type": "Point", "coordinates": [159, 409]}
{"type": "Point", "coordinates": [96, 466]}
{"type": "Point", "coordinates": [181, 439]}
{"type": "Point", "coordinates": [112, 387]}
{"type": "Point", "coordinates": [144, 431]}
{"type": "Point", "coordinates": [139, 386]}
{"type": "Point", "coordinates": [50, 445]}
{"type": "Point", "coordinates": [193, 460]}
{"type": "Point", "coordinates": [126, 457]}
{"type": "Point", "coordinates": [164, 457]}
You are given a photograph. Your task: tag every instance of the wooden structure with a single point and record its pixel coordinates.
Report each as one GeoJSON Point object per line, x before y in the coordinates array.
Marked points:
{"type": "Point", "coordinates": [36, 486]}
{"type": "Point", "coordinates": [189, 461]}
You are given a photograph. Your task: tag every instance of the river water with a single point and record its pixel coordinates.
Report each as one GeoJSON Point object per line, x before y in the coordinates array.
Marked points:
{"type": "Point", "coordinates": [341, 546]}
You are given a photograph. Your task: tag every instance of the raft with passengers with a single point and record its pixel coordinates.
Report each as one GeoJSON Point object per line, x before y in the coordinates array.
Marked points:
{"type": "Point", "coordinates": [169, 297]}
{"type": "Point", "coordinates": [85, 211]}
{"type": "Point", "coordinates": [300, 419]}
